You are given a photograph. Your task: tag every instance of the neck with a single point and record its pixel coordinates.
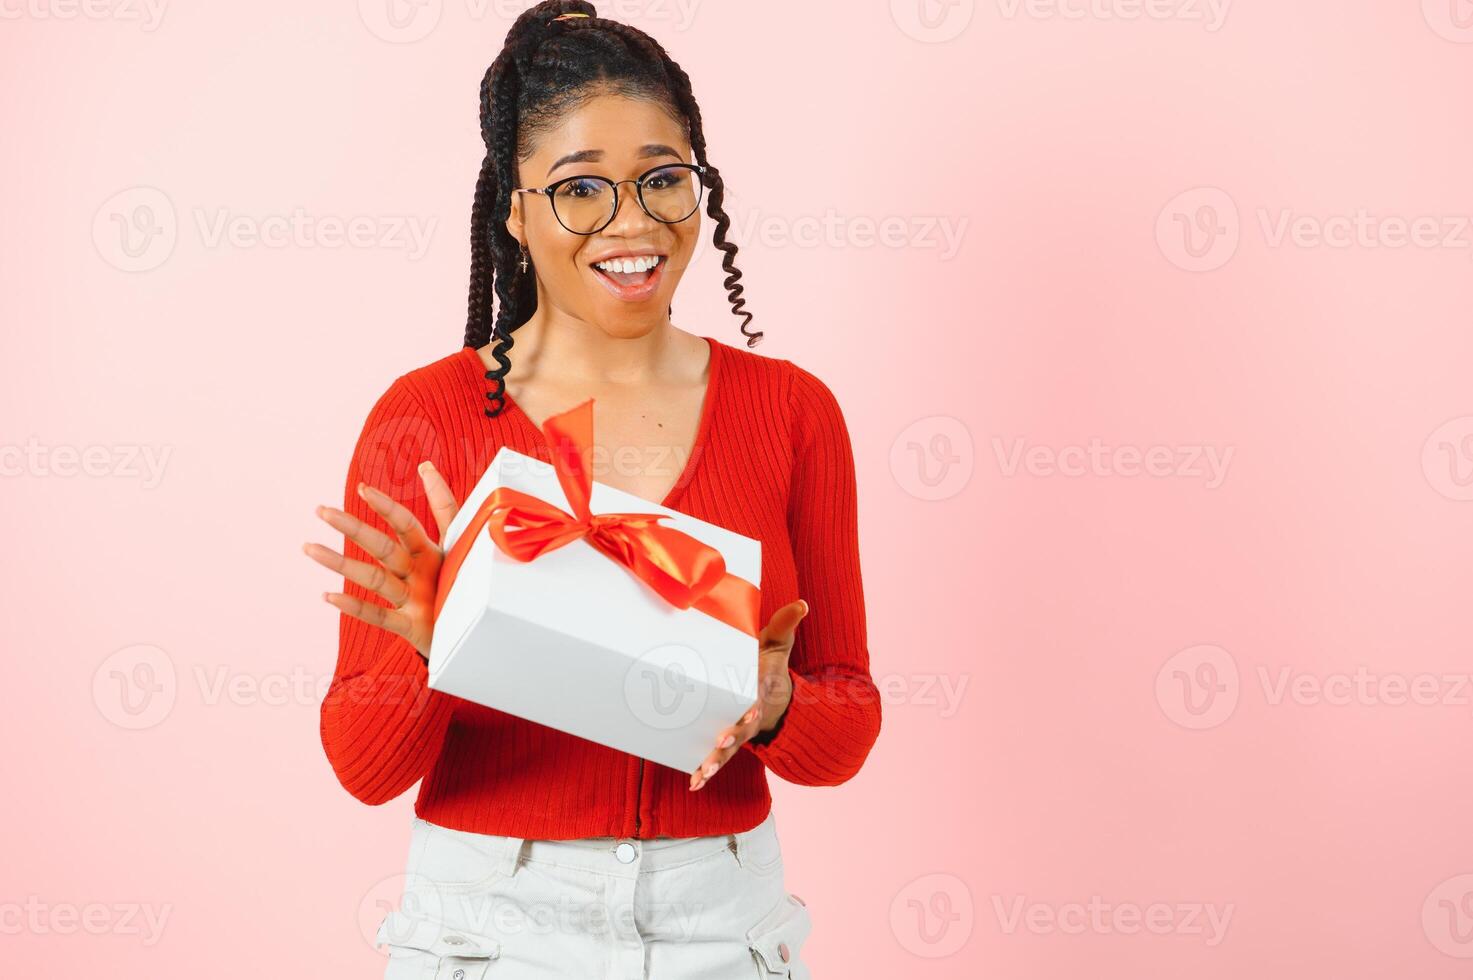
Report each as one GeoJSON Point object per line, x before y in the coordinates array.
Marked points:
{"type": "Point", "coordinates": [577, 351]}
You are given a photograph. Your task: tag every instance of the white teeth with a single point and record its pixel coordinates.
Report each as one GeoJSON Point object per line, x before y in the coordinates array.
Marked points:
{"type": "Point", "coordinates": [628, 265]}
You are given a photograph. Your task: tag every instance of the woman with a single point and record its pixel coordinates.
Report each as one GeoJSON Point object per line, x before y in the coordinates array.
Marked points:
{"type": "Point", "coordinates": [543, 853]}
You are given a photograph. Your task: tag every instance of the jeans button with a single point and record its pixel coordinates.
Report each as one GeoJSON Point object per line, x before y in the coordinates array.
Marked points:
{"type": "Point", "coordinates": [625, 852]}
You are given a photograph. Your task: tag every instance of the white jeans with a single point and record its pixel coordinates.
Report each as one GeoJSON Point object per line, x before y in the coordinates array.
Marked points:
{"type": "Point", "coordinates": [487, 907]}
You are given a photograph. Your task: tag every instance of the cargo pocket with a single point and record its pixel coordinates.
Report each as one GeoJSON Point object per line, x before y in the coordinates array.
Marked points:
{"type": "Point", "coordinates": [443, 952]}
{"type": "Point", "coordinates": [777, 940]}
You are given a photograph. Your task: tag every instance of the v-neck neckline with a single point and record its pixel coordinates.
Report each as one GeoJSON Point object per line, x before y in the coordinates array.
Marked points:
{"type": "Point", "coordinates": [703, 426]}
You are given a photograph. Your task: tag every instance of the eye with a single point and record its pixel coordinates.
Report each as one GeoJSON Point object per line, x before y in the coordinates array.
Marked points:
{"type": "Point", "coordinates": [582, 188]}
{"type": "Point", "coordinates": [662, 180]}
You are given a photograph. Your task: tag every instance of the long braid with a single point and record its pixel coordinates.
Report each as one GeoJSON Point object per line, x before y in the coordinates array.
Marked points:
{"type": "Point", "coordinates": [516, 293]}
{"type": "Point", "coordinates": [546, 68]}
{"type": "Point", "coordinates": [479, 317]}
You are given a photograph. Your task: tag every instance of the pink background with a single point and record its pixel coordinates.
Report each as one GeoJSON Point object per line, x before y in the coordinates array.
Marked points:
{"type": "Point", "coordinates": [1084, 661]}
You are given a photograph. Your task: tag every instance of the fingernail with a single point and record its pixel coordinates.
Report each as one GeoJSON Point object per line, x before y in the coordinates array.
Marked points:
{"type": "Point", "coordinates": [425, 466]}
{"type": "Point", "coordinates": [362, 489]}
{"type": "Point", "coordinates": [726, 742]}
{"type": "Point", "coordinates": [711, 770]}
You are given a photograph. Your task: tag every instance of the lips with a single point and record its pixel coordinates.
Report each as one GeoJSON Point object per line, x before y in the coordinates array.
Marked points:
{"type": "Point", "coordinates": [634, 286]}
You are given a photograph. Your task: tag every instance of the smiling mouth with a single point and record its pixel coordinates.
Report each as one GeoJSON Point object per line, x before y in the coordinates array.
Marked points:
{"type": "Point", "coordinates": [615, 272]}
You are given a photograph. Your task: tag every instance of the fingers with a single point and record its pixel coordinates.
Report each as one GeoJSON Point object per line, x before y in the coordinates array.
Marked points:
{"type": "Point", "coordinates": [783, 626]}
{"type": "Point", "coordinates": [442, 501]}
{"type": "Point", "coordinates": [374, 578]}
{"type": "Point", "coordinates": [400, 518]}
{"type": "Point", "coordinates": [727, 744]}
{"type": "Point", "coordinates": [375, 542]}
{"type": "Point", "coordinates": [375, 615]}
{"type": "Point", "coordinates": [775, 641]}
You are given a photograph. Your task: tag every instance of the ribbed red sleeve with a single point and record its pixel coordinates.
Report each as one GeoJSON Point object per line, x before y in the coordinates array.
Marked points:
{"type": "Point", "coordinates": [834, 717]}
{"type": "Point", "coordinates": [382, 726]}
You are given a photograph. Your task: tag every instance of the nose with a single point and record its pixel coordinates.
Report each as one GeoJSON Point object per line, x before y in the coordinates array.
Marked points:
{"type": "Point", "coordinates": [630, 218]}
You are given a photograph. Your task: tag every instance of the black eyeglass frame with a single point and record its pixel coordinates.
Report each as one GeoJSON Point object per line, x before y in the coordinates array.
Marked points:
{"type": "Point", "coordinates": [638, 182]}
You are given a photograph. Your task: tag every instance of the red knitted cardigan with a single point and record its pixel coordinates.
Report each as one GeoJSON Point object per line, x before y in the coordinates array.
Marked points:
{"type": "Point", "coordinates": [771, 460]}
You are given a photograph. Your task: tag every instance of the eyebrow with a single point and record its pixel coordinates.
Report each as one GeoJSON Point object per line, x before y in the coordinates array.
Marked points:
{"type": "Point", "coordinates": [593, 156]}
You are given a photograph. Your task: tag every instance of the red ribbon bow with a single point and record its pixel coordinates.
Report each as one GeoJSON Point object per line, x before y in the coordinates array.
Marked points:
{"type": "Point", "coordinates": [687, 573]}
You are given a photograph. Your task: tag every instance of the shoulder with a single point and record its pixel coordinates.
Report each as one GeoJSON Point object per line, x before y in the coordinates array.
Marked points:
{"type": "Point", "coordinates": [432, 388]}
{"type": "Point", "coordinates": [807, 406]}
{"type": "Point", "coordinates": [775, 378]}
{"type": "Point", "coordinates": [446, 377]}
{"type": "Point", "coordinates": [418, 410]}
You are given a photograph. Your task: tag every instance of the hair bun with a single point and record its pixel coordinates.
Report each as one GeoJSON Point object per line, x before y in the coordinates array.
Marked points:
{"type": "Point", "coordinates": [534, 25]}
{"type": "Point", "coordinates": [556, 10]}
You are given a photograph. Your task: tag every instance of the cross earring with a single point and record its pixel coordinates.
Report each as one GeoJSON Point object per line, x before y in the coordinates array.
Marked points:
{"type": "Point", "coordinates": [523, 264]}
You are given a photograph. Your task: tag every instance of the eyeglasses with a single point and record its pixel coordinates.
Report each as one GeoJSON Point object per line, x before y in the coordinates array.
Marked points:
{"type": "Point", "coordinates": [585, 204]}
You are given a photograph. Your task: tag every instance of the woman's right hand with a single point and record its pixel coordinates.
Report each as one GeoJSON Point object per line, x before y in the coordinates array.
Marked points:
{"type": "Point", "coordinates": [407, 570]}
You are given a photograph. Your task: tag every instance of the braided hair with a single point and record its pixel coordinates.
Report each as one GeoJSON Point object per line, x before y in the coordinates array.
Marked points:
{"type": "Point", "coordinates": [547, 68]}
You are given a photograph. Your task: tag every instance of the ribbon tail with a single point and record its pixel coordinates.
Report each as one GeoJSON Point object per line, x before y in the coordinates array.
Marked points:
{"type": "Point", "coordinates": [677, 566]}
{"type": "Point", "coordinates": [734, 601]}
{"type": "Point", "coordinates": [684, 571]}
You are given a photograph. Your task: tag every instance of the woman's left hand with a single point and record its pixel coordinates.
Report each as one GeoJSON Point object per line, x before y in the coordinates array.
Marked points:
{"type": "Point", "coordinates": [774, 690]}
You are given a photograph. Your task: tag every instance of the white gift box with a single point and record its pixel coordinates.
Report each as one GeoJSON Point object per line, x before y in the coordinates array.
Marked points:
{"type": "Point", "coordinates": [573, 640]}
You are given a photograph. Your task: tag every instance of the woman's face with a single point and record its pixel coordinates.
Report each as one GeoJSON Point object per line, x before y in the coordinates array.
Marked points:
{"type": "Point", "coordinates": [618, 138]}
